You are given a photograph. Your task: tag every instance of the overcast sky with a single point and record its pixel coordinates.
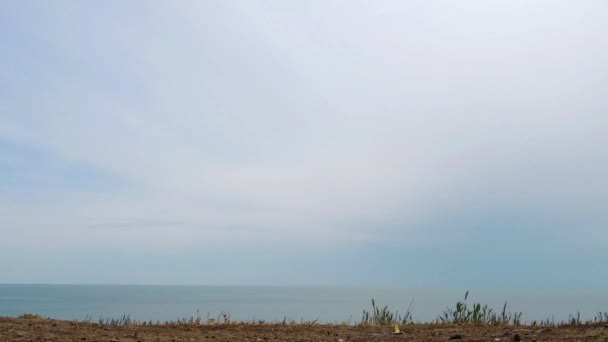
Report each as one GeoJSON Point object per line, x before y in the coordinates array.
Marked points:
{"type": "Point", "coordinates": [381, 143]}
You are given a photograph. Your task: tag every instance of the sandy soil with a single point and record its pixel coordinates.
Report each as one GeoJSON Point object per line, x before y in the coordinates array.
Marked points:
{"type": "Point", "coordinates": [41, 329]}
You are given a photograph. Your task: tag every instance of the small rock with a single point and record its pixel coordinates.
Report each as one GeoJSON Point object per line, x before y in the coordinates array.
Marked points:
{"type": "Point", "coordinates": [497, 339]}
{"type": "Point", "coordinates": [516, 337]}
{"type": "Point", "coordinates": [456, 337]}
{"type": "Point", "coordinates": [340, 340]}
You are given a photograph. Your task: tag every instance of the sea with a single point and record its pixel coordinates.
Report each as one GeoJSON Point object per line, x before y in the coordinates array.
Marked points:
{"type": "Point", "coordinates": [275, 304]}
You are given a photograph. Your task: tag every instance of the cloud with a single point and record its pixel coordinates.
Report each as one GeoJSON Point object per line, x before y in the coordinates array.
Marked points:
{"type": "Point", "coordinates": [312, 122]}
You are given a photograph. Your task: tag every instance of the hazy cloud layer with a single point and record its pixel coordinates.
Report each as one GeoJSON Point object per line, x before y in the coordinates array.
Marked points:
{"type": "Point", "coordinates": [427, 123]}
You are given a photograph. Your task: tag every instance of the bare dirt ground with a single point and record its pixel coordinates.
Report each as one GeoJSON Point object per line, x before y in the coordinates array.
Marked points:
{"type": "Point", "coordinates": [42, 329]}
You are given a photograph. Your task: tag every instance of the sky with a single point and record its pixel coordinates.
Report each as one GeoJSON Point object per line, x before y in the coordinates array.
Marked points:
{"type": "Point", "coordinates": [345, 143]}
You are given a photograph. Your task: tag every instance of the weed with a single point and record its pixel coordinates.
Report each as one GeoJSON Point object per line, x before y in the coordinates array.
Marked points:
{"type": "Point", "coordinates": [27, 315]}
{"type": "Point", "coordinates": [384, 316]}
{"type": "Point", "coordinates": [477, 313]}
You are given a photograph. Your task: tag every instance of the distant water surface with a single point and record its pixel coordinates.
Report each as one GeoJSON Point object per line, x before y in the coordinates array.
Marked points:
{"type": "Point", "coordinates": [325, 304]}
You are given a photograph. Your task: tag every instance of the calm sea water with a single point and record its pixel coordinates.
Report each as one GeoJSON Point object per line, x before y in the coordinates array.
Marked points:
{"type": "Point", "coordinates": [274, 303]}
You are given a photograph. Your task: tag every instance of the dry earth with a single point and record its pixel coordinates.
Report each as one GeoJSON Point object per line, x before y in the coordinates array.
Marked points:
{"type": "Point", "coordinates": [41, 329]}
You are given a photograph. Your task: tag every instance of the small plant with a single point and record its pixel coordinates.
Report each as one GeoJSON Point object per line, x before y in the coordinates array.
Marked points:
{"type": "Point", "coordinates": [313, 322]}
{"type": "Point", "coordinates": [601, 317]}
{"type": "Point", "coordinates": [124, 320]}
{"type": "Point", "coordinates": [575, 320]}
{"type": "Point", "coordinates": [462, 313]}
{"type": "Point", "coordinates": [188, 320]}
{"type": "Point", "coordinates": [384, 316]}
{"type": "Point", "coordinates": [27, 315]}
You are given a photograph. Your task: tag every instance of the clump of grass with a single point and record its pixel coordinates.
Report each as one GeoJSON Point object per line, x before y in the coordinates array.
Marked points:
{"type": "Point", "coordinates": [126, 320]}
{"type": "Point", "coordinates": [573, 320]}
{"type": "Point", "coordinates": [122, 321]}
{"type": "Point", "coordinates": [223, 317]}
{"type": "Point", "coordinates": [601, 317]}
{"type": "Point", "coordinates": [384, 316]}
{"type": "Point", "coordinates": [28, 315]}
{"type": "Point", "coordinates": [192, 320]}
{"type": "Point", "coordinates": [309, 322]}
{"type": "Point", "coordinates": [462, 313]}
